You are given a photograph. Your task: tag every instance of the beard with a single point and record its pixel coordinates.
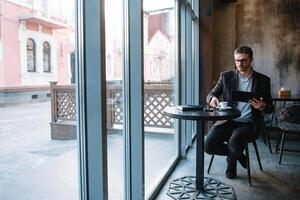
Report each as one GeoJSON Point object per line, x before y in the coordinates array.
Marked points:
{"type": "Point", "coordinates": [243, 68]}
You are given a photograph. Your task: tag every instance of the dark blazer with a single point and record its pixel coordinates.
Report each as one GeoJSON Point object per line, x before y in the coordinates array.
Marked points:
{"type": "Point", "coordinates": [228, 81]}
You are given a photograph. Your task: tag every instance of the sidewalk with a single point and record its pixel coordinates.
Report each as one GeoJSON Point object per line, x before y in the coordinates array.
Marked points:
{"type": "Point", "coordinates": [34, 167]}
{"type": "Point", "coordinates": [28, 156]}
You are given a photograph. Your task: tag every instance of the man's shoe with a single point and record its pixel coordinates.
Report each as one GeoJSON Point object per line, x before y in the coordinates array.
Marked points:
{"type": "Point", "coordinates": [231, 169]}
{"type": "Point", "coordinates": [243, 161]}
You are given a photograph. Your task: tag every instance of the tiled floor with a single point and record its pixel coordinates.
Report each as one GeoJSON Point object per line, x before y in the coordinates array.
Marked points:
{"type": "Point", "coordinates": [276, 182]}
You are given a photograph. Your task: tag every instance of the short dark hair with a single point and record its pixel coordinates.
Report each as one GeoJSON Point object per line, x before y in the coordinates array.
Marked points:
{"type": "Point", "coordinates": [245, 50]}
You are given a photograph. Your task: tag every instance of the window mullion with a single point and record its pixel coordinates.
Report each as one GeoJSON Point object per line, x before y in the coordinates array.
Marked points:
{"type": "Point", "coordinates": [91, 95]}
{"type": "Point", "coordinates": [133, 101]}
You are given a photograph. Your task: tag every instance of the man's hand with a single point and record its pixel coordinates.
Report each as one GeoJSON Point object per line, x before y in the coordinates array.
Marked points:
{"type": "Point", "coordinates": [214, 102]}
{"type": "Point", "coordinates": [258, 104]}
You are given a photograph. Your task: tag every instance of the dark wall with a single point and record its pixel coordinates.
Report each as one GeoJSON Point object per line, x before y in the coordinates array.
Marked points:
{"type": "Point", "coordinates": [270, 27]}
{"type": "Point", "coordinates": [224, 36]}
{"type": "Point", "coordinates": [206, 47]}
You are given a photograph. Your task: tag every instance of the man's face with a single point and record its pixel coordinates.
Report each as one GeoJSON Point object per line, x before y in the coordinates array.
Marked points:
{"type": "Point", "coordinates": [242, 61]}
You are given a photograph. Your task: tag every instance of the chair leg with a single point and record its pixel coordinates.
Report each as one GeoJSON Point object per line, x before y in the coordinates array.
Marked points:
{"type": "Point", "coordinates": [210, 163]}
{"type": "Point", "coordinates": [248, 166]}
{"type": "Point", "coordinates": [277, 144]}
{"type": "Point", "coordinates": [257, 155]}
{"type": "Point", "coordinates": [266, 133]}
{"type": "Point", "coordinates": [281, 146]}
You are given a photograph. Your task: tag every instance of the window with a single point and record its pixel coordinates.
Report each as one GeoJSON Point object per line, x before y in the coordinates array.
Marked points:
{"type": "Point", "coordinates": [115, 107]}
{"type": "Point", "coordinates": [134, 148]}
{"type": "Point", "coordinates": [47, 160]}
{"type": "Point", "coordinates": [159, 91]}
{"type": "Point", "coordinates": [31, 52]}
{"type": "Point", "coordinates": [46, 57]}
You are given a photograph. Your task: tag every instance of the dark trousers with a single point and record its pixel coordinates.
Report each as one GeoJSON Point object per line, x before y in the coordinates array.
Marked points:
{"type": "Point", "coordinates": [230, 138]}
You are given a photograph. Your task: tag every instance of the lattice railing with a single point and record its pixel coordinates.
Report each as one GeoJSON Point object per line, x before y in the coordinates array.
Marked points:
{"type": "Point", "coordinates": [63, 102]}
{"type": "Point", "coordinates": [157, 96]}
{"type": "Point", "coordinates": [156, 99]}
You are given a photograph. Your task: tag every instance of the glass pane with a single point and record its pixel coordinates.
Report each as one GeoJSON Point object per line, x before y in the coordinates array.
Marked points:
{"type": "Point", "coordinates": [31, 51]}
{"type": "Point", "coordinates": [114, 62]}
{"type": "Point", "coordinates": [46, 57]}
{"type": "Point", "coordinates": [38, 145]}
{"type": "Point", "coordinates": [159, 75]}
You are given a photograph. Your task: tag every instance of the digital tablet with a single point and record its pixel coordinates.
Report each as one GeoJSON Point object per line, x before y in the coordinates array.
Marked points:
{"type": "Point", "coordinates": [244, 96]}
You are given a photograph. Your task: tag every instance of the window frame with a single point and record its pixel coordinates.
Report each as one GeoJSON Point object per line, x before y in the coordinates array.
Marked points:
{"type": "Point", "coordinates": [91, 99]}
{"type": "Point", "coordinates": [48, 69]}
{"type": "Point", "coordinates": [91, 96]}
{"type": "Point", "coordinates": [33, 50]}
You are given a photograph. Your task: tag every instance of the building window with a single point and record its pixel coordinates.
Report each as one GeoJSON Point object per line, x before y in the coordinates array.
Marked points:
{"type": "Point", "coordinates": [46, 57]}
{"type": "Point", "coordinates": [31, 52]}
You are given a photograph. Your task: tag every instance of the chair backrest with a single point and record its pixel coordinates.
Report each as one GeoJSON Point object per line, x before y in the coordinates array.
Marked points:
{"type": "Point", "coordinates": [290, 114]}
{"type": "Point", "coordinates": [289, 117]}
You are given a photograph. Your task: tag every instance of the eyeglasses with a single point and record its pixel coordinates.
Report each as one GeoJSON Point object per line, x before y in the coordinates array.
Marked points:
{"type": "Point", "coordinates": [241, 60]}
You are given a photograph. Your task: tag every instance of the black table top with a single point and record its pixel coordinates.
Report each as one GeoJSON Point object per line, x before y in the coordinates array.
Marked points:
{"type": "Point", "coordinates": [201, 114]}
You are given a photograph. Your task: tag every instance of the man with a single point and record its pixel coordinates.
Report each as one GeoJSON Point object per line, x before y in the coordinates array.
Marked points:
{"type": "Point", "coordinates": [229, 138]}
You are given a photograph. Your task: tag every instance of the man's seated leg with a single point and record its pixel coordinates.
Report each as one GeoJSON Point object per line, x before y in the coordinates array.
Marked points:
{"type": "Point", "coordinates": [231, 167]}
{"type": "Point", "coordinates": [241, 135]}
{"type": "Point", "coordinates": [216, 138]}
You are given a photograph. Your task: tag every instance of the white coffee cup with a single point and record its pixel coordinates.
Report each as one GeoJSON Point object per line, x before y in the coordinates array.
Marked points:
{"type": "Point", "coordinates": [223, 104]}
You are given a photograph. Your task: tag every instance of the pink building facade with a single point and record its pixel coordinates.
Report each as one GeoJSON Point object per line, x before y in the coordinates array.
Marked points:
{"type": "Point", "coordinates": [20, 23]}
{"type": "Point", "coordinates": [35, 47]}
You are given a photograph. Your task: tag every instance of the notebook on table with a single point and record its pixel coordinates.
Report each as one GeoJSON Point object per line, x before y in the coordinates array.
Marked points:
{"type": "Point", "coordinates": [189, 107]}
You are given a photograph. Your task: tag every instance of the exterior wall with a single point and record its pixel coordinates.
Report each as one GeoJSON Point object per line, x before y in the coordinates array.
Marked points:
{"type": "Point", "coordinates": [21, 95]}
{"type": "Point", "coordinates": [65, 47]}
{"type": "Point", "coordinates": [114, 40]}
{"type": "Point", "coordinates": [13, 60]}
{"type": "Point", "coordinates": [159, 49]}
{"type": "Point", "coordinates": [159, 58]}
{"type": "Point", "coordinates": [17, 85]}
{"type": "Point", "coordinates": [38, 77]}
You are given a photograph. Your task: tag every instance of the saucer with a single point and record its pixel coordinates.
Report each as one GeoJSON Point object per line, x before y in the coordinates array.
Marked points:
{"type": "Point", "coordinates": [225, 108]}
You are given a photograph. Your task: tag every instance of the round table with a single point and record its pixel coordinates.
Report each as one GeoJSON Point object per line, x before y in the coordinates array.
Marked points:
{"type": "Point", "coordinates": [207, 189]}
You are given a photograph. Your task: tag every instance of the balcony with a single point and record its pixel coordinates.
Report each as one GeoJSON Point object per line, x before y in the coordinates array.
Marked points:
{"type": "Point", "coordinates": [42, 20]}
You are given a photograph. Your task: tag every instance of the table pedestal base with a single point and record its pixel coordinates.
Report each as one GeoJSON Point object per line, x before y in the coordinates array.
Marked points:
{"type": "Point", "coordinates": [185, 188]}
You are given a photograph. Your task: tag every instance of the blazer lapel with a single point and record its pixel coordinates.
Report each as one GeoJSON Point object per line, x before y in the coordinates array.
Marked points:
{"type": "Point", "coordinates": [233, 81]}
{"type": "Point", "coordinates": [254, 82]}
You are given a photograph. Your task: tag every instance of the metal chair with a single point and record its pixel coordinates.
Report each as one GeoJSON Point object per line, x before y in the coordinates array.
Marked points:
{"type": "Point", "coordinates": [248, 163]}
{"type": "Point", "coordinates": [288, 119]}
{"type": "Point", "coordinates": [265, 131]}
